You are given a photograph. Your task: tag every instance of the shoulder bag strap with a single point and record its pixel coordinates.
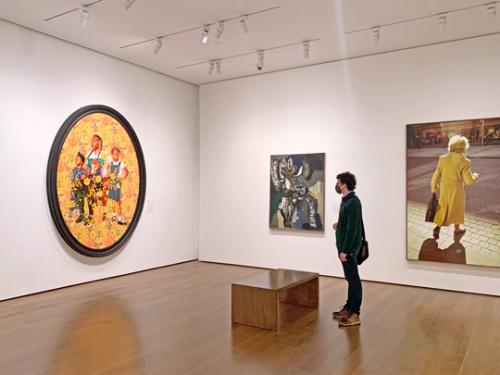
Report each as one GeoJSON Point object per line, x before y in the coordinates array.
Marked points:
{"type": "Point", "coordinates": [363, 228]}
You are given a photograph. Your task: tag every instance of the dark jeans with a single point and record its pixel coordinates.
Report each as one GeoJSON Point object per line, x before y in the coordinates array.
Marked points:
{"type": "Point", "coordinates": [355, 290]}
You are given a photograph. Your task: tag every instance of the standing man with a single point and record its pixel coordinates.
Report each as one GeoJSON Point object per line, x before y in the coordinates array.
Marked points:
{"type": "Point", "coordinates": [348, 233]}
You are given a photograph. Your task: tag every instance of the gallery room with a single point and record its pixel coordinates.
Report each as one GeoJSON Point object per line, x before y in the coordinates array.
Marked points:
{"type": "Point", "coordinates": [250, 187]}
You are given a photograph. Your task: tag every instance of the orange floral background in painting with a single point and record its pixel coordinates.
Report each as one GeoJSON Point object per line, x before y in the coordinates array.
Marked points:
{"type": "Point", "coordinates": [102, 231]}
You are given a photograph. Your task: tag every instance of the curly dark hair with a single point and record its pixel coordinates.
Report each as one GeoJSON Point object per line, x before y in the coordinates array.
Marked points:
{"type": "Point", "coordinates": [80, 155]}
{"type": "Point", "coordinates": [98, 137]}
{"type": "Point", "coordinates": [349, 179]}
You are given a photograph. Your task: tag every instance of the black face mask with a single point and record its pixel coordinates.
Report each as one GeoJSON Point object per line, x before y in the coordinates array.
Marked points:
{"type": "Point", "coordinates": [337, 189]}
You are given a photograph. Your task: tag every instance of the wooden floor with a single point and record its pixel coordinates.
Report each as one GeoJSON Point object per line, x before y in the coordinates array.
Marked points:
{"type": "Point", "coordinates": [176, 320]}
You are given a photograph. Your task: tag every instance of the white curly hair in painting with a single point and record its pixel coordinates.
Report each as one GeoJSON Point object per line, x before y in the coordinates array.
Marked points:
{"type": "Point", "coordinates": [458, 143]}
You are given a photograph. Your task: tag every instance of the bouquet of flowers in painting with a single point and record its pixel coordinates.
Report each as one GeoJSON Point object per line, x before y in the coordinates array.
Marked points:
{"type": "Point", "coordinates": [297, 192]}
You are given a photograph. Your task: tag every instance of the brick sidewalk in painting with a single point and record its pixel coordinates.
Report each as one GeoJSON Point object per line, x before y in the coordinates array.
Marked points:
{"type": "Point", "coordinates": [480, 245]}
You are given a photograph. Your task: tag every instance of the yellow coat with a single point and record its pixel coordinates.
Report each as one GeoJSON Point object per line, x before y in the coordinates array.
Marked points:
{"type": "Point", "coordinates": [451, 176]}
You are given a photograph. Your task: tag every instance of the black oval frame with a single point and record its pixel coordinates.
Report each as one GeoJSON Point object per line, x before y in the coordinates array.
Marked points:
{"type": "Point", "coordinates": [53, 161]}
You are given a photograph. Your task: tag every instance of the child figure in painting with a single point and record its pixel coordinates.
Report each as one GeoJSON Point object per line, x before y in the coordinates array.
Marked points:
{"type": "Point", "coordinates": [78, 188]}
{"type": "Point", "coordinates": [117, 173]}
{"type": "Point", "coordinates": [97, 177]}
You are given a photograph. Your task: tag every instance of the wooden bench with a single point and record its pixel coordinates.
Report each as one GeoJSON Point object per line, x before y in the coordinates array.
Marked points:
{"type": "Point", "coordinates": [255, 300]}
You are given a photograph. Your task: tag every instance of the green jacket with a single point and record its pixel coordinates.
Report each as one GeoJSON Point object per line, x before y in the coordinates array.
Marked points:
{"type": "Point", "coordinates": [348, 234]}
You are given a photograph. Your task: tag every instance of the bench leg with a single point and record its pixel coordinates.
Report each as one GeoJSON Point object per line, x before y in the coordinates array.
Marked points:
{"type": "Point", "coordinates": [306, 294]}
{"type": "Point", "coordinates": [255, 307]}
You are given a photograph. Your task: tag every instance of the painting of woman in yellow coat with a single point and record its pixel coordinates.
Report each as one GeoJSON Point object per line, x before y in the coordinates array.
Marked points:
{"type": "Point", "coordinates": [452, 174]}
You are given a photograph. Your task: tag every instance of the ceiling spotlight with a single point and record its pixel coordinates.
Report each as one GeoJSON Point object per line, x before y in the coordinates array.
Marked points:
{"type": "Point", "coordinates": [157, 46]}
{"type": "Point", "coordinates": [84, 16]}
{"type": "Point", "coordinates": [204, 34]}
{"type": "Point", "coordinates": [376, 34]}
{"type": "Point", "coordinates": [443, 20]}
{"type": "Point", "coordinates": [244, 24]}
{"type": "Point", "coordinates": [217, 66]}
{"type": "Point", "coordinates": [260, 60]}
{"type": "Point", "coordinates": [491, 10]}
{"type": "Point", "coordinates": [211, 66]}
{"type": "Point", "coordinates": [307, 48]}
{"type": "Point", "coordinates": [220, 29]}
{"type": "Point", "coordinates": [128, 4]}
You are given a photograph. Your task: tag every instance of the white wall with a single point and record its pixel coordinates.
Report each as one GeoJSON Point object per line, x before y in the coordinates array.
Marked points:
{"type": "Point", "coordinates": [43, 80]}
{"type": "Point", "coordinates": [356, 112]}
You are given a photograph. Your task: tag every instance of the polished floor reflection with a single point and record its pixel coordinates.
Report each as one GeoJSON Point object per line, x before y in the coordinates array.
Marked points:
{"type": "Point", "coordinates": [176, 320]}
{"type": "Point", "coordinates": [99, 335]}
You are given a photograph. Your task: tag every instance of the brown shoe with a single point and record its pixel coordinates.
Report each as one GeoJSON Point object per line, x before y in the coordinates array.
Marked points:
{"type": "Point", "coordinates": [459, 233]}
{"type": "Point", "coordinates": [435, 233]}
{"type": "Point", "coordinates": [342, 314]}
{"type": "Point", "coordinates": [352, 320]}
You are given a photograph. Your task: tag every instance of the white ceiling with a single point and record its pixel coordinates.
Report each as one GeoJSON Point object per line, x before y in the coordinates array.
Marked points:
{"type": "Point", "coordinates": [111, 26]}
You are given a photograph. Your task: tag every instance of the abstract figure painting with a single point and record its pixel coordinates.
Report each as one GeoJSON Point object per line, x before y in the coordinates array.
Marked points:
{"type": "Point", "coordinates": [297, 192]}
{"type": "Point", "coordinates": [457, 165]}
{"type": "Point", "coordinates": [96, 180]}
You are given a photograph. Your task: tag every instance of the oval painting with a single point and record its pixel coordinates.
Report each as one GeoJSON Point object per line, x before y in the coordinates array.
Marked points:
{"type": "Point", "coordinates": [96, 180]}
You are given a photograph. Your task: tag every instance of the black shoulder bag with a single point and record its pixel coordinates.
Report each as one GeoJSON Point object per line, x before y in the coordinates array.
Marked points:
{"type": "Point", "coordinates": [363, 253]}
{"type": "Point", "coordinates": [430, 213]}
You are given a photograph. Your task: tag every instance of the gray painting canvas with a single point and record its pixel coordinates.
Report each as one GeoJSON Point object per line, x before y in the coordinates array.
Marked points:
{"type": "Point", "coordinates": [297, 192]}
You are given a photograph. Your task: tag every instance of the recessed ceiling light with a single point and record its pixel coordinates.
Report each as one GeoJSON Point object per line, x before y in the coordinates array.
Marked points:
{"type": "Point", "coordinates": [84, 16]}
{"type": "Point", "coordinates": [443, 20]}
{"type": "Point", "coordinates": [128, 4]}
{"type": "Point", "coordinates": [244, 24]}
{"type": "Point", "coordinates": [220, 29]}
{"type": "Point", "coordinates": [204, 34]}
{"type": "Point", "coordinates": [376, 34]}
{"type": "Point", "coordinates": [307, 48]}
{"type": "Point", "coordinates": [157, 46]}
{"type": "Point", "coordinates": [491, 10]}
{"type": "Point", "coordinates": [260, 60]}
